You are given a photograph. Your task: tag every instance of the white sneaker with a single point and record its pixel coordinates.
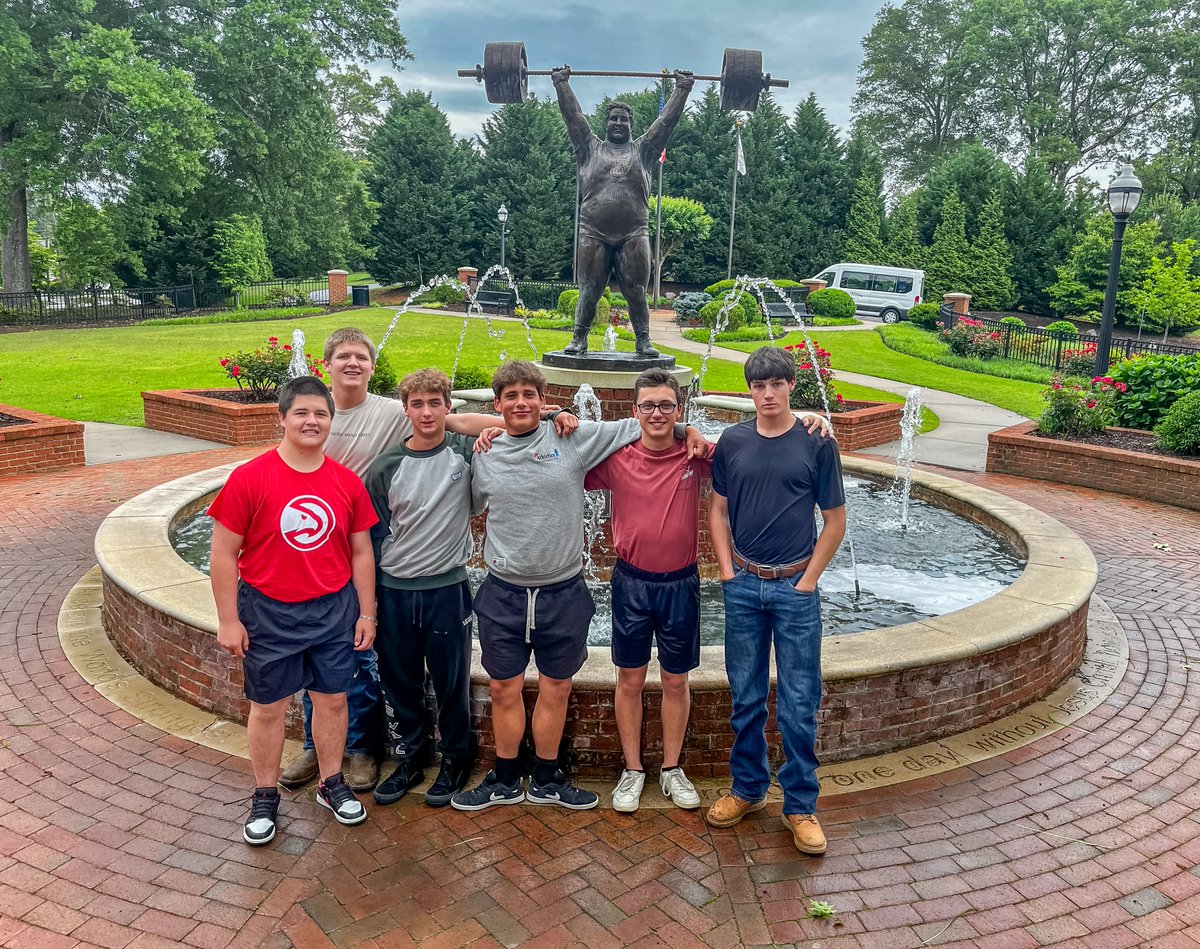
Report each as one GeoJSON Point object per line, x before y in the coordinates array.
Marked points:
{"type": "Point", "coordinates": [679, 789]}
{"type": "Point", "coordinates": [628, 793]}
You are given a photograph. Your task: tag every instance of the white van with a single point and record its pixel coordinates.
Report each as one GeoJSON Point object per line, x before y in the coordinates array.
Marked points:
{"type": "Point", "coordinates": [886, 292]}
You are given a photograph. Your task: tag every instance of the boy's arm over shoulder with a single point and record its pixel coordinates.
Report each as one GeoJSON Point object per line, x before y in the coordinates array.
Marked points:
{"type": "Point", "coordinates": [595, 441]}
{"type": "Point", "coordinates": [600, 477]}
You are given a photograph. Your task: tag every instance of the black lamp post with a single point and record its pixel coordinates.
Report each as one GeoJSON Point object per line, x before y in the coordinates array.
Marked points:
{"type": "Point", "coordinates": [1123, 196]}
{"type": "Point", "coordinates": [502, 217]}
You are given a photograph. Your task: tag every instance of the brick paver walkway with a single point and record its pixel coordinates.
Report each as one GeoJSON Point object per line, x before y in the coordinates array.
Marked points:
{"type": "Point", "coordinates": [114, 834]}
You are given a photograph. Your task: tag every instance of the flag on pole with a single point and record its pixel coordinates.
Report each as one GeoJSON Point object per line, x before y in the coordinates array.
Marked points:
{"type": "Point", "coordinates": [741, 158]}
{"type": "Point", "coordinates": [662, 159]}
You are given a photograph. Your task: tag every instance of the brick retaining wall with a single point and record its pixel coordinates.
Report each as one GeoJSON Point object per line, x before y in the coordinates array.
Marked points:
{"type": "Point", "coordinates": [190, 412]}
{"type": "Point", "coordinates": [1017, 451]}
{"type": "Point", "coordinates": [863, 426]}
{"type": "Point", "coordinates": [45, 444]}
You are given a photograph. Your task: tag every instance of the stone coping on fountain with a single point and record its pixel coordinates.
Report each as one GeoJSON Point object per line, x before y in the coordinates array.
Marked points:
{"type": "Point", "coordinates": [886, 688]}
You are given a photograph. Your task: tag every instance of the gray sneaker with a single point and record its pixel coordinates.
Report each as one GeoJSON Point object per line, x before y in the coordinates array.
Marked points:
{"type": "Point", "coordinates": [488, 793]}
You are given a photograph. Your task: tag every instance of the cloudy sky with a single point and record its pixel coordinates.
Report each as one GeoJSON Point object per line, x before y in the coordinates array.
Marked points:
{"type": "Point", "coordinates": [816, 45]}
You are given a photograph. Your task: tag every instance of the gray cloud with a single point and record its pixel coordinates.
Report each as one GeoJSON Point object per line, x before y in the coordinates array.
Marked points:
{"type": "Point", "coordinates": [815, 46]}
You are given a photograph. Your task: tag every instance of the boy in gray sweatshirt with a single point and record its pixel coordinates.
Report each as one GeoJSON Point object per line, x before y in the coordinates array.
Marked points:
{"type": "Point", "coordinates": [534, 599]}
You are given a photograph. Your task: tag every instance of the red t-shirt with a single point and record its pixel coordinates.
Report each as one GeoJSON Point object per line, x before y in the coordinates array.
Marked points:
{"type": "Point", "coordinates": [295, 525]}
{"type": "Point", "coordinates": [655, 504]}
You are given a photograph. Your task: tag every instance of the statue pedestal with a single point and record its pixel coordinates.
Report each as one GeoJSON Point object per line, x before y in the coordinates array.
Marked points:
{"type": "Point", "coordinates": [611, 379]}
{"type": "Point", "coordinates": [604, 361]}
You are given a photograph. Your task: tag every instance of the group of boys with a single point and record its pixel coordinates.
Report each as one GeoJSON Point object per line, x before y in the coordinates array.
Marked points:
{"type": "Point", "coordinates": [355, 533]}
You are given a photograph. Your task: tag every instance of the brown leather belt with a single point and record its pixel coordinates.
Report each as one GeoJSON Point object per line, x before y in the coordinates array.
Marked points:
{"type": "Point", "coordinates": [775, 572]}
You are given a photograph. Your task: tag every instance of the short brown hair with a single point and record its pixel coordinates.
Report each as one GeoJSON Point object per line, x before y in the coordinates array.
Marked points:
{"type": "Point", "coordinates": [303, 385]}
{"type": "Point", "coordinates": [348, 334]}
{"type": "Point", "coordinates": [516, 371]}
{"type": "Point", "coordinates": [651, 378]}
{"type": "Point", "coordinates": [425, 380]}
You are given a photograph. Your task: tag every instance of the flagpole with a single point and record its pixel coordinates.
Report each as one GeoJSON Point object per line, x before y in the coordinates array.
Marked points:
{"type": "Point", "coordinates": [733, 203]}
{"type": "Point", "coordinates": [658, 212]}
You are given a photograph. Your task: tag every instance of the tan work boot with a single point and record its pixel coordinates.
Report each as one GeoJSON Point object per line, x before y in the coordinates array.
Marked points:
{"type": "Point", "coordinates": [730, 809]}
{"type": "Point", "coordinates": [361, 772]}
{"type": "Point", "coordinates": [806, 832]}
{"type": "Point", "coordinates": [300, 771]}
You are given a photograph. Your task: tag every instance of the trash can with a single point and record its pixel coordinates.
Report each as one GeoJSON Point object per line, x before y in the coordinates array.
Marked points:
{"type": "Point", "coordinates": [360, 295]}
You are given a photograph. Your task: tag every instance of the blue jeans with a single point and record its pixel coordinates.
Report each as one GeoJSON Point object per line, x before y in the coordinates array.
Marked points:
{"type": "Point", "coordinates": [364, 709]}
{"type": "Point", "coordinates": [757, 611]}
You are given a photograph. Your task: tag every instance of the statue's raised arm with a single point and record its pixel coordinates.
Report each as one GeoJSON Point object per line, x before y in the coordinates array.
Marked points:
{"type": "Point", "coordinates": [577, 124]}
{"type": "Point", "coordinates": [655, 139]}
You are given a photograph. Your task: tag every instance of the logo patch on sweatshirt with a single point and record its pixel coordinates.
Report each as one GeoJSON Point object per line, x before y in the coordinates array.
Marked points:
{"type": "Point", "coordinates": [456, 476]}
{"type": "Point", "coordinates": [552, 456]}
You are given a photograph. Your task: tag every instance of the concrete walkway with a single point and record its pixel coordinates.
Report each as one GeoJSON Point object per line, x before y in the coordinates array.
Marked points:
{"type": "Point", "coordinates": [103, 443]}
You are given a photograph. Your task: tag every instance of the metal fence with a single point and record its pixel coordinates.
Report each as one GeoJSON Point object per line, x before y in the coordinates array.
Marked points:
{"type": "Point", "coordinates": [280, 292]}
{"type": "Point", "coordinates": [535, 294]}
{"type": "Point", "coordinates": [1051, 348]}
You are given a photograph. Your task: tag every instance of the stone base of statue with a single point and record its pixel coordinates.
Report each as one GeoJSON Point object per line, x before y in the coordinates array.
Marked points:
{"type": "Point", "coordinates": [606, 361]}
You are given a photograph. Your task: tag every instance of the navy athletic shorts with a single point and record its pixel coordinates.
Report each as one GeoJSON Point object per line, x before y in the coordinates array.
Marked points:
{"type": "Point", "coordinates": [294, 646]}
{"type": "Point", "coordinates": [549, 622]}
{"type": "Point", "coordinates": [663, 606]}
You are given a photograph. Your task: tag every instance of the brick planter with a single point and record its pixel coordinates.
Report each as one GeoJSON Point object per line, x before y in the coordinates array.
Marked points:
{"type": "Point", "coordinates": [43, 443]}
{"type": "Point", "coordinates": [1017, 451]}
{"type": "Point", "coordinates": [862, 426]}
{"type": "Point", "coordinates": [197, 414]}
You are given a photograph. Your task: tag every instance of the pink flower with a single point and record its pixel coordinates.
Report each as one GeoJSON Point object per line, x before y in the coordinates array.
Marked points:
{"type": "Point", "coordinates": [224, 363]}
{"type": "Point", "coordinates": [1091, 403]}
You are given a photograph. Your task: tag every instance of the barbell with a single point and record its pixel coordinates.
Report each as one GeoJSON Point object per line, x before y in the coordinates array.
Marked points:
{"type": "Point", "coordinates": [505, 74]}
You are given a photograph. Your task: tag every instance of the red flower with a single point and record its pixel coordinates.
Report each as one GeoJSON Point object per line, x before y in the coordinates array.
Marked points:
{"type": "Point", "coordinates": [235, 371]}
{"type": "Point", "coordinates": [287, 348]}
{"type": "Point", "coordinates": [224, 363]}
{"type": "Point", "coordinates": [272, 339]}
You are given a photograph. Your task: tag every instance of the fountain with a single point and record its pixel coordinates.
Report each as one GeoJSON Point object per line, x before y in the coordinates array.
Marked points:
{"type": "Point", "coordinates": [910, 421]}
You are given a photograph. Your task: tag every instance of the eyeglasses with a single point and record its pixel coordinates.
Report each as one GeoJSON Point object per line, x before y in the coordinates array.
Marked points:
{"type": "Point", "coordinates": [647, 408]}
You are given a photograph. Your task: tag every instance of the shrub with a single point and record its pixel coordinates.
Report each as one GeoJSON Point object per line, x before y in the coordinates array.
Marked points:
{"type": "Point", "coordinates": [1179, 431]}
{"type": "Point", "coordinates": [472, 377]}
{"type": "Point", "coordinates": [1014, 321]}
{"type": "Point", "coordinates": [968, 338]}
{"type": "Point", "coordinates": [259, 373]}
{"type": "Point", "coordinates": [810, 379]}
{"type": "Point", "coordinates": [1073, 409]}
{"type": "Point", "coordinates": [830, 301]}
{"type": "Point", "coordinates": [443, 293]}
{"type": "Point", "coordinates": [1062, 326]}
{"type": "Point", "coordinates": [925, 315]}
{"type": "Point", "coordinates": [385, 379]}
{"type": "Point", "coordinates": [567, 301]}
{"type": "Point", "coordinates": [722, 287]}
{"type": "Point", "coordinates": [688, 306]}
{"type": "Point", "coordinates": [1154, 384]}
{"type": "Point", "coordinates": [1079, 362]}
{"type": "Point", "coordinates": [285, 297]}
{"type": "Point", "coordinates": [735, 317]}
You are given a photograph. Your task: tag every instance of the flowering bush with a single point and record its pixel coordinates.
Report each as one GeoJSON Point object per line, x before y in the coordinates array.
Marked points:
{"type": "Point", "coordinates": [1079, 362]}
{"type": "Point", "coordinates": [1074, 409]}
{"type": "Point", "coordinates": [810, 379]}
{"type": "Point", "coordinates": [968, 338]}
{"type": "Point", "coordinates": [261, 372]}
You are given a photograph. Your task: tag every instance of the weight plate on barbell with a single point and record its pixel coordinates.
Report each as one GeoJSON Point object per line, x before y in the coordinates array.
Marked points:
{"type": "Point", "coordinates": [741, 79]}
{"type": "Point", "coordinates": [504, 77]}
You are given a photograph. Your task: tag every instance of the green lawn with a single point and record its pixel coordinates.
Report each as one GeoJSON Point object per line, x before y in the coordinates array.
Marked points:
{"type": "Point", "coordinates": [97, 375]}
{"type": "Point", "coordinates": [866, 353]}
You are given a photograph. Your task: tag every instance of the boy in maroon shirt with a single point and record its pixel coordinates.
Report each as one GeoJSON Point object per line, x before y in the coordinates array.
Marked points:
{"type": "Point", "coordinates": [293, 576]}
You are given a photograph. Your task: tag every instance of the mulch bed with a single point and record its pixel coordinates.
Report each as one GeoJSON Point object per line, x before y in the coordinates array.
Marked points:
{"type": "Point", "coordinates": [1128, 441]}
{"type": "Point", "coordinates": [7, 421]}
{"type": "Point", "coordinates": [234, 395]}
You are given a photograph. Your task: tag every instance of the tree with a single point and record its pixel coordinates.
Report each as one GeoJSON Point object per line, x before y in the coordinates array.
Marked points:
{"type": "Point", "coordinates": [87, 248]}
{"type": "Point", "coordinates": [241, 252]}
{"type": "Point", "coordinates": [359, 104]}
{"type": "Point", "coordinates": [43, 262]}
{"type": "Point", "coordinates": [991, 282]}
{"type": "Point", "coordinates": [864, 225]}
{"type": "Point", "coordinates": [1170, 295]}
{"type": "Point", "coordinates": [813, 163]}
{"type": "Point", "coordinates": [904, 247]}
{"type": "Point", "coordinates": [948, 267]}
{"type": "Point", "coordinates": [421, 179]}
{"type": "Point", "coordinates": [764, 201]}
{"type": "Point", "coordinates": [1083, 277]}
{"type": "Point", "coordinates": [972, 172]}
{"type": "Point", "coordinates": [916, 84]}
{"type": "Point", "coordinates": [683, 221]}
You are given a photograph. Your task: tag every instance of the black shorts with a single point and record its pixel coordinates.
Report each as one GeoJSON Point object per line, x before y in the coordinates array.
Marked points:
{"type": "Point", "coordinates": [551, 622]}
{"type": "Point", "coordinates": [662, 606]}
{"type": "Point", "coordinates": [294, 646]}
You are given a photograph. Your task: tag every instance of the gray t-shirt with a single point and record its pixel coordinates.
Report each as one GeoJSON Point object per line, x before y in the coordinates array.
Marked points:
{"type": "Point", "coordinates": [360, 435]}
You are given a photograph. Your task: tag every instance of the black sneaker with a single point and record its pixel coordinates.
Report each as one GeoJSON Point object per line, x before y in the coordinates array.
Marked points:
{"type": "Point", "coordinates": [260, 825]}
{"type": "Point", "coordinates": [561, 792]}
{"type": "Point", "coordinates": [335, 794]}
{"type": "Point", "coordinates": [406, 777]}
{"type": "Point", "coordinates": [451, 779]}
{"type": "Point", "coordinates": [489, 793]}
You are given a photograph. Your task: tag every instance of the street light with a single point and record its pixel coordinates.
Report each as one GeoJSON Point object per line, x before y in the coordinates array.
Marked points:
{"type": "Point", "coordinates": [502, 217]}
{"type": "Point", "coordinates": [1123, 196]}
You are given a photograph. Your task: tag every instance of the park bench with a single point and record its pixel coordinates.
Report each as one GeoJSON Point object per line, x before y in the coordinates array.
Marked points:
{"type": "Point", "coordinates": [501, 301]}
{"type": "Point", "coordinates": [778, 311]}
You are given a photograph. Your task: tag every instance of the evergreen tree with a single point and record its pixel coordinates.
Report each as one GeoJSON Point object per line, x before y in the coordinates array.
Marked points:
{"type": "Point", "coordinates": [864, 224]}
{"type": "Point", "coordinates": [419, 177]}
{"type": "Point", "coordinates": [1083, 277]}
{"type": "Point", "coordinates": [972, 172]}
{"type": "Point", "coordinates": [764, 206]}
{"type": "Point", "coordinates": [904, 247]}
{"type": "Point", "coordinates": [948, 267]}
{"type": "Point", "coordinates": [991, 262]}
{"type": "Point", "coordinates": [813, 162]}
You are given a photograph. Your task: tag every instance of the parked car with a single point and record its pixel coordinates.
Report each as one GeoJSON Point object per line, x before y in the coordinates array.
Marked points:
{"type": "Point", "coordinates": [886, 292]}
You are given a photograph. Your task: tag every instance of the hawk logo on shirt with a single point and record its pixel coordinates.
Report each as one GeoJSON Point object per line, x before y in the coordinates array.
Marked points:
{"type": "Point", "coordinates": [306, 522]}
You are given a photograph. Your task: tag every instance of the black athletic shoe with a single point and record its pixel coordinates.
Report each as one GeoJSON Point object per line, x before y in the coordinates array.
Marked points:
{"type": "Point", "coordinates": [406, 777]}
{"type": "Point", "coordinates": [561, 792]}
{"type": "Point", "coordinates": [451, 779]}
{"type": "Point", "coordinates": [488, 794]}
{"type": "Point", "coordinates": [260, 825]}
{"type": "Point", "coordinates": [335, 794]}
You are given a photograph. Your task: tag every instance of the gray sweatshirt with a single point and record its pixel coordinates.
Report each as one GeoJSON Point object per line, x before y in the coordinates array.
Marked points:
{"type": "Point", "coordinates": [532, 488]}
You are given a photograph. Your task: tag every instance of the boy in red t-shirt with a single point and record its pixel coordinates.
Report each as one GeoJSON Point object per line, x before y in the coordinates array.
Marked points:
{"type": "Point", "coordinates": [293, 576]}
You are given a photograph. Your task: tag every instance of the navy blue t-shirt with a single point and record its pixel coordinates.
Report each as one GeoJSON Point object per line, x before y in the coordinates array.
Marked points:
{"type": "Point", "coordinates": [772, 485]}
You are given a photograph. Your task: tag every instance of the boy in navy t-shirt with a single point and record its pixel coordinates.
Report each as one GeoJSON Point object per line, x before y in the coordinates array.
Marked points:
{"type": "Point", "coordinates": [768, 474]}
